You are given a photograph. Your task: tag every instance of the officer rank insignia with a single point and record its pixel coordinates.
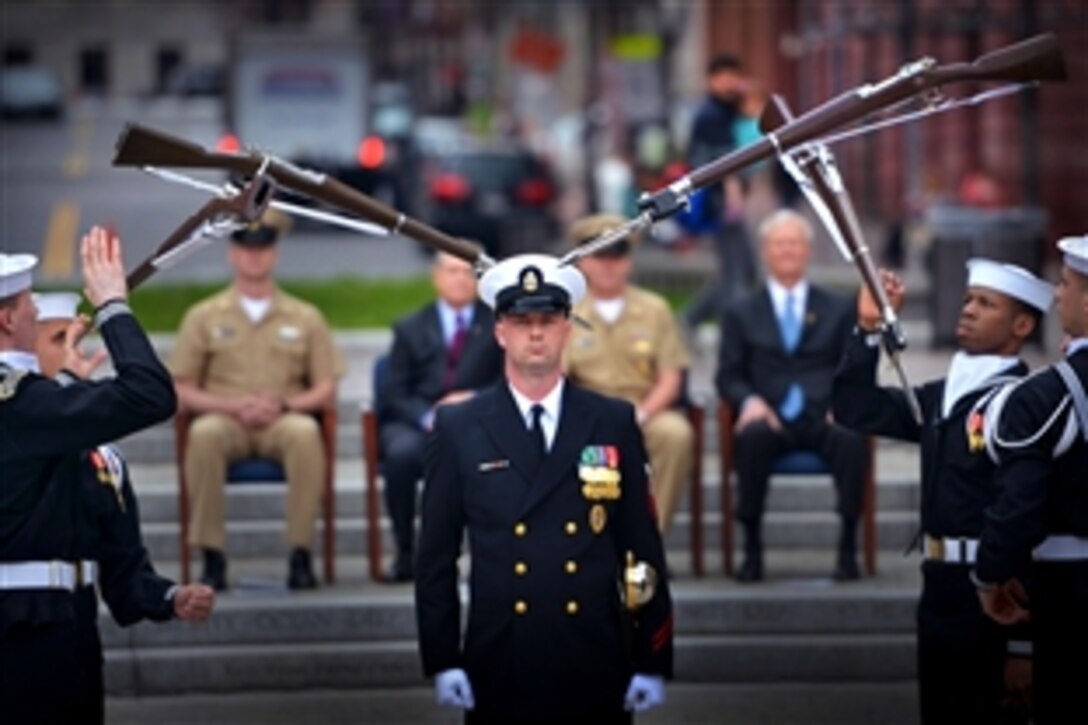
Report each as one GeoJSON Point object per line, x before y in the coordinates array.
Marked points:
{"type": "Point", "coordinates": [530, 280]}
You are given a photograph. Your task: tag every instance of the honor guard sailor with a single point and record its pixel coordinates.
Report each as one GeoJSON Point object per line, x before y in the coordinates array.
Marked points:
{"type": "Point", "coordinates": [570, 617]}
{"type": "Point", "coordinates": [50, 662]}
{"type": "Point", "coordinates": [1039, 523]}
{"type": "Point", "coordinates": [965, 661]}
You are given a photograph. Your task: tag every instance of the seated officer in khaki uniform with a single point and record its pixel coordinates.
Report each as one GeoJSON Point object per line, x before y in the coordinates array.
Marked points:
{"type": "Point", "coordinates": [255, 363]}
{"type": "Point", "coordinates": [634, 351]}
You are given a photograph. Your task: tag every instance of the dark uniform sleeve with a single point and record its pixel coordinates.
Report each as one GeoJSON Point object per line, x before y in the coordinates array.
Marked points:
{"type": "Point", "coordinates": [438, 607]}
{"type": "Point", "coordinates": [130, 586]}
{"type": "Point", "coordinates": [55, 419]}
{"type": "Point", "coordinates": [732, 382]}
{"type": "Point", "coordinates": [404, 402]}
{"type": "Point", "coordinates": [1014, 524]}
{"type": "Point", "coordinates": [652, 650]}
{"type": "Point", "coordinates": [859, 403]}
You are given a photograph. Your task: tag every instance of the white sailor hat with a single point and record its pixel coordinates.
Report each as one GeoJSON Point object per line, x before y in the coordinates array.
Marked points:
{"type": "Point", "coordinates": [15, 273]}
{"type": "Point", "coordinates": [56, 305]}
{"type": "Point", "coordinates": [531, 283]}
{"type": "Point", "coordinates": [1076, 253]}
{"type": "Point", "coordinates": [1008, 279]}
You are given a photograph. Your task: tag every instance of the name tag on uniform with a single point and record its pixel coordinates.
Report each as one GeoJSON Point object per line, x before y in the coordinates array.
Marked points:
{"type": "Point", "coordinates": [290, 333]}
{"type": "Point", "coordinates": [222, 332]}
{"type": "Point", "coordinates": [498, 465]}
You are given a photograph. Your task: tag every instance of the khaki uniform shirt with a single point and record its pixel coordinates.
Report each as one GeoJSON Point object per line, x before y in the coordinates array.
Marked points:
{"type": "Point", "coordinates": [625, 358]}
{"type": "Point", "coordinates": [288, 351]}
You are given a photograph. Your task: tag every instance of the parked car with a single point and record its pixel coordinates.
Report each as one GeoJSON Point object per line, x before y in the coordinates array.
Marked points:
{"type": "Point", "coordinates": [30, 91]}
{"type": "Point", "coordinates": [501, 197]}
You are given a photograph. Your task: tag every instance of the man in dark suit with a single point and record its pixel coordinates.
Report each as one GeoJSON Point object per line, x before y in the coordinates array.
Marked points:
{"type": "Point", "coordinates": [779, 350]}
{"type": "Point", "coordinates": [1039, 522]}
{"type": "Point", "coordinates": [550, 482]}
{"type": "Point", "coordinates": [50, 663]}
{"type": "Point", "coordinates": [441, 355]}
{"type": "Point", "coordinates": [969, 668]}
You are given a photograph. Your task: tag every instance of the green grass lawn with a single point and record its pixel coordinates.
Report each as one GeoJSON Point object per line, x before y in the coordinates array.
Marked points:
{"type": "Point", "coordinates": [347, 303]}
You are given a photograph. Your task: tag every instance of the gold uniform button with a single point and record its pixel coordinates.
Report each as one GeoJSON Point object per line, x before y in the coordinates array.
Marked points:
{"type": "Point", "coordinates": [520, 607]}
{"type": "Point", "coordinates": [571, 567]}
{"type": "Point", "coordinates": [572, 607]}
{"type": "Point", "coordinates": [520, 530]}
{"type": "Point", "coordinates": [521, 568]}
{"type": "Point", "coordinates": [571, 528]}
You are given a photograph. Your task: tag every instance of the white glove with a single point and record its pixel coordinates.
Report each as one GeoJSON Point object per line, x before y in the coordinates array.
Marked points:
{"type": "Point", "coordinates": [644, 692]}
{"type": "Point", "coordinates": [451, 687]}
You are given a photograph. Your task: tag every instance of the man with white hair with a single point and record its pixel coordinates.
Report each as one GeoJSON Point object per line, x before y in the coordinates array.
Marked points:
{"type": "Point", "coordinates": [1039, 523]}
{"type": "Point", "coordinates": [549, 480]}
{"type": "Point", "coordinates": [969, 668]}
{"type": "Point", "coordinates": [779, 350]}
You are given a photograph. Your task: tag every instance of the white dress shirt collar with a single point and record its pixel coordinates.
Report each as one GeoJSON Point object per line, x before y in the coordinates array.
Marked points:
{"type": "Point", "coordinates": [1075, 345]}
{"type": "Point", "coordinates": [780, 292]}
{"type": "Point", "coordinates": [553, 406]}
{"type": "Point", "coordinates": [447, 316]}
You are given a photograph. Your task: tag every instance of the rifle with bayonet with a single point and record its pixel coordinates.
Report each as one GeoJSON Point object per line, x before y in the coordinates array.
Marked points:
{"type": "Point", "coordinates": [1025, 63]}
{"type": "Point", "coordinates": [145, 147]}
{"type": "Point", "coordinates": [813, 167]}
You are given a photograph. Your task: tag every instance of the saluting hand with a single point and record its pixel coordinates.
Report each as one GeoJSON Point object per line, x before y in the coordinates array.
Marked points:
{"type": "Point", "coordinates": [194, 602]}
{"type": "Point", "coordinates": [103, 269]}
{"type": "Point", "coordinates": [75, 361]}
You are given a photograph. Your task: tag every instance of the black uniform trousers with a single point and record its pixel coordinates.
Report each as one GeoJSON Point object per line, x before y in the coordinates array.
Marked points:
{"type": "Point", "coordinates": [51, 672]}
{"type": "Point", "coordinates": [1060, 611]}
{"type": "Point", "coordinates": [961, 652]}
{"type": "Point", "coordinates": [758, 446]}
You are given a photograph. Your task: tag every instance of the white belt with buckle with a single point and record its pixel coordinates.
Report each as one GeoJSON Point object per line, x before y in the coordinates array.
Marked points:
{"type": "Point", "coordinates": [949, 549]}
{"type": "Point", "coordinates": [67, 575]}
{"type": "Point", "coordinates": [1061, 548]}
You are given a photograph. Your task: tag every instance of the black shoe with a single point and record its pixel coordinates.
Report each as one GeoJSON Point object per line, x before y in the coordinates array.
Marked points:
{"type": "Point", "coordinates": [300, 575]}
{"type": "Point", "coordinates": [751, 570]}
{"type": "Point", "coordinates": [846, 569]}
{"type": "Point", "coordinates": [215, 570]}
{"type": "Point", "coordinates": [401, 570]}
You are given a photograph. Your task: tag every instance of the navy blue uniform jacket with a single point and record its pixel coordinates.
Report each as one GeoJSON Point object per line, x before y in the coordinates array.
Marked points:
{"type": "Point", "coordinates": [566, 651]}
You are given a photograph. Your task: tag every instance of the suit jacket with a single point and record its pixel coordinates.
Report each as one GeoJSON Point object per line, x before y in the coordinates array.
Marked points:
{"type": "Point", "coordinates": [533, 539]}
{"type": "Point", "coordinates": [753, 360]}
{"type": "Point", "coordinates": [417, 363]}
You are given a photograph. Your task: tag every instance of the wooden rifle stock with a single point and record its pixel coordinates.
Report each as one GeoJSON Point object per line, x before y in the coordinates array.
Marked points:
{"type": "Point", "coordinates": [142, 146]}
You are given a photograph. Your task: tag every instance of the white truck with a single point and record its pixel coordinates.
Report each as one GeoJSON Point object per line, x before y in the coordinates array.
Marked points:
{"type": "Point", "coordinates": [306, 98]}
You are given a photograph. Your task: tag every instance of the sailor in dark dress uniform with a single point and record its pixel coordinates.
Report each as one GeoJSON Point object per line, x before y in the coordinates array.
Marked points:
{"type": "Point", "coordinates": [966, 662]}
{"type": "Point", "coordinates": [50, 665]}
{"type": "Point", "coordinates": [570, 617]}
{"type": "Point", "coordinates": [1039, 524]}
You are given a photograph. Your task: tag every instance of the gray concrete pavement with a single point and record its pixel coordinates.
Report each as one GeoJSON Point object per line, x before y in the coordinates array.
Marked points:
{"type": "Point", "coordinates": [785, 704]}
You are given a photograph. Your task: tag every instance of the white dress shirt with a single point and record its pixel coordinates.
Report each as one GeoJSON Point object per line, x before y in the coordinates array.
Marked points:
{"type": "Point", "coordinates": [553, 406]}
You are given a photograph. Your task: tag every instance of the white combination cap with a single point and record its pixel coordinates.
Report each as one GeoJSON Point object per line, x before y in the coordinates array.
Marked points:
{"type": "Point", "coordinates": [56, 305]}
{"type": "Point", "coordinates": [1008, 279]}
{"type": "Point", "coordinates": [531, 283]}
{"type": "Point", "coordinates": [16, 273]}
{"type": "Point", "coordinates": [1076, 253]}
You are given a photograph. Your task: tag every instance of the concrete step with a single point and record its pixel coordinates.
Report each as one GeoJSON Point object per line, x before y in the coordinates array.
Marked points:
{"type": "Point", "coordinates": [158, 495]}
{"type": "Point", "coordinates": [351, 665]}
{"type": "Point", "coordinates": [791, 529]}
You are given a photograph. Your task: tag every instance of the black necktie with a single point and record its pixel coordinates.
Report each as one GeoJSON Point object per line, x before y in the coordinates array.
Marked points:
{"type": "Point", "coordinates": [536, 430]}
